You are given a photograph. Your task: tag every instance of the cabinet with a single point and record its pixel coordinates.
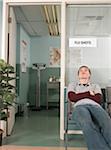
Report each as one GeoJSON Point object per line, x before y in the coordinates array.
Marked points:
{"type": "Point", "coordinates": [50, 86]}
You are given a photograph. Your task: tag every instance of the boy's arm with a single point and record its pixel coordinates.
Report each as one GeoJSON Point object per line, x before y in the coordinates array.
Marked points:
{"type": "Point", "coordinates": [73, 97]}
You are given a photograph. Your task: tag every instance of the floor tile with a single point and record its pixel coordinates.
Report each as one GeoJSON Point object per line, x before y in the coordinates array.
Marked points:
{"type": "Point", "coordinates": [40, 128]}
{"type": "Point", "coordinates": [37, 148]}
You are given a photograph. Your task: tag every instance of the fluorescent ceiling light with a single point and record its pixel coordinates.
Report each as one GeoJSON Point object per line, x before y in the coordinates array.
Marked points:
{"type": "Point", "coordinates": [51, 19]}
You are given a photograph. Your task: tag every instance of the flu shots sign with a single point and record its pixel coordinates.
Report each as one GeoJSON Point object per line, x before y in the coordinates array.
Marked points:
{"type": "Point", "coordinates": [82, 42]}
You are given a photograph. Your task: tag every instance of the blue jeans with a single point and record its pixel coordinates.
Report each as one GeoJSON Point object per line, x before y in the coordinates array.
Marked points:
{"type": "Point", "coordinates": [96, 126]}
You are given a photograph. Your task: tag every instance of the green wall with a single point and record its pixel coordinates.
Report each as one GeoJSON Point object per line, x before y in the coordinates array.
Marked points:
{"type": "Point", "coordinates": [38, 52]}
{"type": "Point", "coordinates": [44, 78]}
{"type": "Point", "coordinates": [40, 47]}
{"type": "Point", "coordinates": [23, 81]}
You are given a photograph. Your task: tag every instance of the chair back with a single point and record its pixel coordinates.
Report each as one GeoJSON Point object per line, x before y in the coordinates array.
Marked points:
{"type": "Point", "coordinates": [108, 90]}
{"type": "Point", "coordinates": [108, 100]}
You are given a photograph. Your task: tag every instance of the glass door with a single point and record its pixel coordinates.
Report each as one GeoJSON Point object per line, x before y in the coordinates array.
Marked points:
{"type": "Point", "coordinates": [88, 38]}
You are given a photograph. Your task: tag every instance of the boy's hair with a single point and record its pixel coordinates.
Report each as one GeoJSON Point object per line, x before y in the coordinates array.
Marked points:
{"type": "Point", "coordinates": [84, 67]}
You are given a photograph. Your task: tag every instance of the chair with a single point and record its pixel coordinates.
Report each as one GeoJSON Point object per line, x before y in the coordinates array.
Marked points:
{"type": "Point", "coordinates": [70, 125]}
{"type": "Point", "coordinates": [108, 100]}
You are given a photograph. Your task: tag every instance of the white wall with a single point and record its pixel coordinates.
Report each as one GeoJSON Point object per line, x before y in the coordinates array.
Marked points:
{"type": "Point", "coordinates": [12, 39]}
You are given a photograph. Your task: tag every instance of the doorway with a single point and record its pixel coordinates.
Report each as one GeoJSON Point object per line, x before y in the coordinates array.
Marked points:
{"type": "Point", "coordinates": [38, 43]}
{"type": "Point", "coordinates": [63, 56]}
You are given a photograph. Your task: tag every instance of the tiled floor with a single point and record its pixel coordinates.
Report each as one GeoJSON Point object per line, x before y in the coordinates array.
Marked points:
{"type": "Point", "coordinates": [40, 129]}
{"type": "Point", "coordinates": [37, 148]}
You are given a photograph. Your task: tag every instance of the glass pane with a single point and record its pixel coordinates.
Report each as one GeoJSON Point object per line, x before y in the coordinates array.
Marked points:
{"type": "Point", "coordinates": [89, 22]}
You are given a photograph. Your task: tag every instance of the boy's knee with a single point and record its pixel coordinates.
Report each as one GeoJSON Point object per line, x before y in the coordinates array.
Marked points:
{"type": "Point", "coordinates": [81, 114]}
{"type": "Point", "coordinates": [80, 111]}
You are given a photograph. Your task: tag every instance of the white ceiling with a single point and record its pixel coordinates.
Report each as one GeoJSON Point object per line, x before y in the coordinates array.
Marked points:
{"type": "Point", "coordinates": [89, 21]}
{"type": "Point", "coordinates": [81, 21]}
{"type": "Point", "coordinates": [32, 19]}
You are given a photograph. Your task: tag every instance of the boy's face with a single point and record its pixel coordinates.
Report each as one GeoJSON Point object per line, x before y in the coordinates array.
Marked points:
{"type": "Point", "coordinates": [84, 73]}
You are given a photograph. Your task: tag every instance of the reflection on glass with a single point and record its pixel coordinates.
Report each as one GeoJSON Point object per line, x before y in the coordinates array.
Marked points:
{"type": "Point", "coordinates": [89, 22]}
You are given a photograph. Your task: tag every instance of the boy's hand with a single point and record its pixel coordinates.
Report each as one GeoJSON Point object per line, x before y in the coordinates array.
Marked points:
{"type": "Point", "coordinates": [91, 92]}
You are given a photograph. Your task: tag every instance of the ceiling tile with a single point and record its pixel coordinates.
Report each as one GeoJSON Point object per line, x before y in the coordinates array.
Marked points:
{"type": "Point", "coordinates": [28, 28]}
{"type": "Point", "coordinates": [33, 13]}
{"type": "Point", "coordinates": [40, 28]}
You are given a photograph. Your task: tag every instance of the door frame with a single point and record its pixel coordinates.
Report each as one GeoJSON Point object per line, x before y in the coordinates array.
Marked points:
{"type": "Point", "coordinates": [63, 4]}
